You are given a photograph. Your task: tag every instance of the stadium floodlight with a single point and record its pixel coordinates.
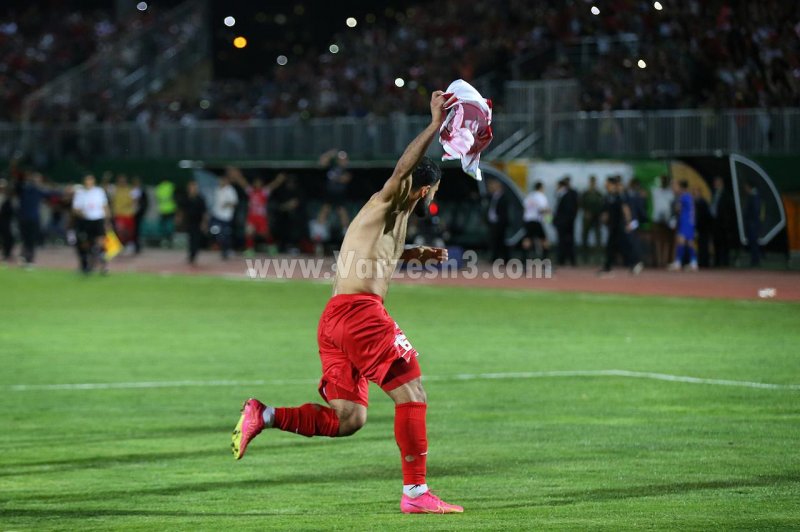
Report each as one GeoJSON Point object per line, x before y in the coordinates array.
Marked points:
{"type": "Point", "coordinates": [399, 82]}
{"type": "Point", "coordinates": [351, 22]}
{"type": "Point", "coordinates": [141, 6]}
{"type": "Point", "coordinates": [334, 49]}
{"type": "Point", "coordinates": [240, 42]}
{"type": "Point", "coordinates": [595, 10]}
{"type": "Point", "coordinates": [658, 6]}
{"type": "Point", "coordinates": [229, 21]}
{"type": "Point", "coordinates": [282, 60]}
{"type": "Point", "coordinates": [642, 64]}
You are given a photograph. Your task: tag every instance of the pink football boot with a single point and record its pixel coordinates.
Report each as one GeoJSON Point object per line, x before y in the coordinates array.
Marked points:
{"type": "Point", "coordinates": [427, 503]}
{"type": "Point", "coordinates": [250, 424]}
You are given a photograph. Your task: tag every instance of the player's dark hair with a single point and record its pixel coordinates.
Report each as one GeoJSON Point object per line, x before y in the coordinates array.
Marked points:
{"type": "Point", "coordinates": [684, 184]}
{"type": "Point", "coordinates": [538, 186]}
{"type": "Point", "coordinates": [426, 173]}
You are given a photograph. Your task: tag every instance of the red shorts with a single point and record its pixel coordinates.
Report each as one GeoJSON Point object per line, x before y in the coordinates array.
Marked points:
{"type": "Point", "coordinates": [259, 224]}
{"type": "Point", "coordinates": [125, 226]}
{"type": "Point", "coordinates": [359, 342]}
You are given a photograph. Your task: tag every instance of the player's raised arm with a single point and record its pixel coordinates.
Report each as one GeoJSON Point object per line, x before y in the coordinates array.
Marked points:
{"type": "Point", "coordinates": [416, 150]}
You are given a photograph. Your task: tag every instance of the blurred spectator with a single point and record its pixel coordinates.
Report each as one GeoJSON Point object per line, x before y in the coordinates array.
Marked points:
{"type": "Point", "coordinates": [142, 200]}
{"type": "Point", "coordinates": [537, 208]}
{"type": "Point", "coordinates": [195, 218]}
{"type": "Point", "coordinates": [617, 216]}
{"type": "Point", "coordinates": [30, 192]}
{"type": "Point", "coordinates": [723, 216]}
{"type": "Point", "coordinates": [123, 206]}
{"type": "Point", "coordinates": [6, 218]}
{"type": "Point", "coordinates": [591, 203]}
{"type": "Point", "coordinates": [564, 221]}
{"type": "Point", "coordinates": [222, 212]}
{"type": "Point", "coordinates": [752, 222]}
{"type": "Point", "coordinates": [498, 217]}
{"type": "Point", "coordinates": [291, 221]}
{"type": "Point", "coordinates": [704, 221]}
{"type": "Point", "coordinates": [335, 163]}
{"type": "Point", "coordinates": [636, 201]}
{"type": "Point", "coordinates": [663, 239]}
{"type": "Point", "coordinates": [165, 201]}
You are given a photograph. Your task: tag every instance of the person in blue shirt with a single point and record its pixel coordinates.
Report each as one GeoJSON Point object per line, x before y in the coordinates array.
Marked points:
{"type": "Point", "coordinates": [30, 193]}
{"type": "Point", "coordinates": [685, 230]}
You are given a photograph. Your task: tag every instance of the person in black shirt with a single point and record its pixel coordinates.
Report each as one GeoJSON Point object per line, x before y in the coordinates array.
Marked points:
{"type": "Point", "coordinates": [497, 216]}
{"type": "Point", "coordinates": [723, 213]}
{"type": "Point", "coordinates": [142, 204]}
{"type": "Point", "coordinates": [564, 220]}
{"type": "Point", "coordinates": [195, 218]}
{"type": "Point", "coordinates": [617, 216]}
{"type": "Point", "coordinates": [752, 222]}
{"type": "Point", "coordinates": [635, 201]}
{"type": "Point", "coordinates": [6, 217]}
{"type": "Point", "coordinates": [703, 224]}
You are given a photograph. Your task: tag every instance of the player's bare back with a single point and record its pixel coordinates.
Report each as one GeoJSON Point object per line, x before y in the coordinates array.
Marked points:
{"type": "Point", "coordinates": [375, 240]}
{"type": "Point", "coordinates": [371, 248]}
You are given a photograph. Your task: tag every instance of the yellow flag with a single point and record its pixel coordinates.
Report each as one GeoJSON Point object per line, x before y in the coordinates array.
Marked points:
{"type": "Point", "coordinates": [112, 245]}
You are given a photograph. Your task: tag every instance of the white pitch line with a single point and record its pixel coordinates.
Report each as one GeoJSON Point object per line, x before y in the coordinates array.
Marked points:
{"type": "Point", "coordinates": [456, 377]}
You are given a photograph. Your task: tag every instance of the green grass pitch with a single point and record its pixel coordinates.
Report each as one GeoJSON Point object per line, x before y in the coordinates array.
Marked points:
{"type": "Point", "coordinates": [519, 453]}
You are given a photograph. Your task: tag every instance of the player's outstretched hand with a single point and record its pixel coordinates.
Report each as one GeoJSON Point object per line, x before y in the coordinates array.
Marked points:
{"type": "Point", "coordinates": [433, 254]}
{"type": "Point", "coordinates": [440, 101]}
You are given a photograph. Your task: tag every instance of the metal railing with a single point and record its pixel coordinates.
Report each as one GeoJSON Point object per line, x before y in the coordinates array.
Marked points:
{"type": "Point", "coordinates": [620, 133]}
{"type": "Point", "coordinates": [629, 133]}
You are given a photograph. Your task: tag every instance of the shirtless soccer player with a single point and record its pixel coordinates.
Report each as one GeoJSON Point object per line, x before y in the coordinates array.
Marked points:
{"type": "Point", "coordinates": [358, 341]}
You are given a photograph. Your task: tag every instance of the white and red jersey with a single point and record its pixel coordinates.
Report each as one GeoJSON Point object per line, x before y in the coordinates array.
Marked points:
{"type": "Point", "coordinates": [467, 130]}
{"type": "Point", "coordinates": [257, 202]}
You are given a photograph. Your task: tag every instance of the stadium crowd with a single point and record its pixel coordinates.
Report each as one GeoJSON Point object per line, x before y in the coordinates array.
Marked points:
{"type": "Point", "coordinates": [748, 59]}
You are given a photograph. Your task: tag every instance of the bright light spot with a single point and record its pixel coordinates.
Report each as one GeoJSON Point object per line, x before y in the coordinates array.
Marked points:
{"type": "Point", "coordinates": [642, 64]}
{"type": "Point", "coordinates": [141, 6]}
{"type": "Point", "coordinates": [240, 42]}
{"type": "Point", "coordinates": [399, 82]}
{"type": "Point", "coordinates": [334, 49]}
{"type": "Point", "coordinates": [595, 10]}
{"type": "Point", "coordinates": [282, 60]}
{"type": "Point", "coordinates": [351, 22]}
{"type": "Point", "coordinates": [658, 6]}
{"type": "Point", "coordinates": [229, 21]}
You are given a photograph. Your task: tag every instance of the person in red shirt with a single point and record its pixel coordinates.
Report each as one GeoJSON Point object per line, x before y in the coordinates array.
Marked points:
{"type": "Point", "coordinates": [257, 225]}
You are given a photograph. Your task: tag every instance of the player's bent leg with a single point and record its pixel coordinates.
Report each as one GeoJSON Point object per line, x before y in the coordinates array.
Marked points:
{"type": "Point", "coordinates": [307, 420]}
{"type": "Point", "coordinates": [352, 416]}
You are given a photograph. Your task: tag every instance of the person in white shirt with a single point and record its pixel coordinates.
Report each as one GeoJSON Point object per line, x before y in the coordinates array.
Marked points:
{"type": "Point", "coordinates": [664, 222]}
{"type": "Point", "coordinates": [537, 210]}
{"type": "Point", "coordinates": [91, 215]}
{"type": "Point", "coordinates": [223, 209]}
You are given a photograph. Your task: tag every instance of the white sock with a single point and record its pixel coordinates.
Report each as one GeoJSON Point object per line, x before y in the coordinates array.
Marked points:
{"type": "Point", "coordinates": [269, 416]}
{"type": "Point", "coordinates": [414, 490]}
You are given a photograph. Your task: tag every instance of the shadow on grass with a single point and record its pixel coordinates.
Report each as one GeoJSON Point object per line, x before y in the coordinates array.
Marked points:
{"type": "Point", "coordinates": [78, 513]}
{"type": "Point", "coordinates": [652, 490]}
{"type": "Point", "coordinates": [344, 475]}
